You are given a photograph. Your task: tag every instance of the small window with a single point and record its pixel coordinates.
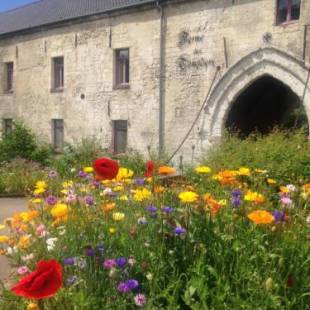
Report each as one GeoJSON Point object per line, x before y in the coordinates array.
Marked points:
{"type": "Point", "coordinates": [7, 126]}
{"type": "Point", "coordinates": [58, 73]}
{"type": "Point", "coordinates": [122, 68]}
{"type": "Point", "coordinates": [58, 133]}
{"type": "Point", "coordinates": [287, 10]}
{"type": "Point", "coordinates": [9, 71]}
{"type": "Point", "coordinates": [120, 136]}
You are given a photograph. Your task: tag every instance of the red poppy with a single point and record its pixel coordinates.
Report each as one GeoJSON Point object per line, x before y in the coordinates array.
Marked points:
{"type": "Point", "coordinates": [42, 283]}
{"type": "Point", "coordinates": [149, 169]}
{"type": "Point", "coordinates": [105, 168]}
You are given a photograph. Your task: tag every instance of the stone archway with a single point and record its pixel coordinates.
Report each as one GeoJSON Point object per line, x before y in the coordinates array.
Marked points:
{"type": "Point", "coordinates": [268, 61]}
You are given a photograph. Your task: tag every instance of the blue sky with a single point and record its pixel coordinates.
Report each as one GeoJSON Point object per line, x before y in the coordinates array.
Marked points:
{"type": "Point", "coordinates": [6, 5]}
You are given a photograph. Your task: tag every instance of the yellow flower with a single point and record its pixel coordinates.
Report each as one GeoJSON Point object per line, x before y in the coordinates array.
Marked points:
{"type": "Point", "coordinates": [4, 239]}
{"type": "Point", "coordinates": [261, 217]}
{"type": "Point", "coordinates": [118, 216]}
{"type": "Point", "coordinates": [24, 242]}
{"type": "Point", "coordinates": [124, 173]}
{"type": "Point", "coordinates": [112, 230]}
{"type": "Point", "coordinates": [123, 198]}
{"type": "Point", "coordinates": [254, 196]}
{"type": "Point", "coordinates": [223, 202]}
{"type": "Point", "coordinates": [67, 184]}
{"type": "Point", "coordinates": [142, 194]}
{"type": "Point", "coordinates": [284, 189]}
{"type": "Point", "coordinates": [188, 196]}
{"type": "Point", "coordinates": [203, 169]}
{"type": "Point", "coordinates": [2, 226]}
{"type": "Point", "coordinates": [36, 200]}
{"type": "Point", "coordinates": [88, 169]}
{"type": "Point", "coordinates": [271, 181]}
{"type": "Point", "coordinates": [244, 171]}
{"type": "Point", "coordinates": [166, 170]}
{"type": "Point", "coordinates": [32, 306]}
{"type": "Point", "coordinates": [118, 188]}
{"type": "Point", "coordinates": [260, 171]}
{"type": "Point", "coordinates": [40, 184]}
{"type": "Point", "coordinates": [60, 210]}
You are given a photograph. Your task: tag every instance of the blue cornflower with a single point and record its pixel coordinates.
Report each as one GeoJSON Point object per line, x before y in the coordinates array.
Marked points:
{"type": "Point", "coordinates": [167, 209]}
{"type": "Point", "coordinates": [179, 231]}
{"type": "Point", "coordinates": [120, 262]}
{"type": "Point", "coordinates": [132, 284]}
{"type": "Point", "coordinates": [69, 261]}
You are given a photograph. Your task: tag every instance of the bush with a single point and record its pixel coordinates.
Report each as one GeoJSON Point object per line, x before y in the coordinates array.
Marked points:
{"type": "Point", "coordinates": [286, 155]}
{"type": "Point", "coordinates": [21, 142]}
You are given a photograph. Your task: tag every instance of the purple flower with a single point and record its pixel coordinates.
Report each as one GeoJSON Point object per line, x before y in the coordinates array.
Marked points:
{"type": "Point", "coordinates": [278, 216]}
{"type": "Point", "coordinates": [132, 284]}
{"type": "Point", "coordinates": [96, 183]}
{"type": "Point", "coordinates": [140, 300]}
{"type": "Point", "coordinates": [120, 262]}
{"type": "Point", "coordinates": [109, 263]}
{"type": "Point", "coordinates": [167, 209]}
{"type": "Point", "coordinates": [89, 200]}
{"type": "Point", "coordinates": [51, 200]}
{"type": "Point", "coordinates": [82, 174]}
{"type": "Point", "coordinates": [52, 174]}
{"type": "Point", "coordinates": [236, 193]}
{"type": "Point", "coordinates": [179, 231]}
{"type": "Point", "coordinates": [123, 287]}
{"type": "Point", "coordinates": [71, 280]}
{"type": "Point", "coordinates": [151, 209]}
{"type": "Point", "coordinates": [140, 181]}
{"type": "Point", "coordinates": [69, 261]}
{"type": "Point", "coordinates": [89, 251]}
{"type": "Point", "coordinates": [236, 201]}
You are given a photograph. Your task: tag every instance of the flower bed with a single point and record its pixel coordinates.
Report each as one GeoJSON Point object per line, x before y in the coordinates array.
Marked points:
{"type": "Point", "coordinates": [227, 239]}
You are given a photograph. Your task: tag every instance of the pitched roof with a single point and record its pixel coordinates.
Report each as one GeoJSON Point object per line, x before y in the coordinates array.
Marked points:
{"type": "Point", "coordinates": [47, 12]}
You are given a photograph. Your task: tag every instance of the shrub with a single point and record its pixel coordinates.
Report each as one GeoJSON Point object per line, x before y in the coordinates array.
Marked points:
{"type": "Point", "coordinates": [21, 142]}
{"type": "Point", "coordinates": [286, 155]}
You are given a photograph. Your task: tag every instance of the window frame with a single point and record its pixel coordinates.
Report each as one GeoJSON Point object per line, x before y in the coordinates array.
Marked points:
{"type": "Point", "coordinates": [121, 128]}
{"type": "Point", "coordinates": [55, 126]}
{"type": "Point", "coordinates": [61, 78]}
{"type": "Point", "coordinates": [9, 77]}
{"type": "Point", "coordinates": [7, 126]}
{"type": "Point", "coordinates": [289, 19]}
{"type": "Point", "coordinates": [117, 83]}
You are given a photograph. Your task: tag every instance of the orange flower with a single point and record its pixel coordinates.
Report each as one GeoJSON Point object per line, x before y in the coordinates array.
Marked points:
{"type": "Point", "coordinates": [159, 189]}
{"type": "Point", "coordinates": [227, 177]}
{"type": "Point", "coordinates": [108, 207]}
{"type": "Point", "coordinates": [261, 217]}
{"type": "Point", "coordinates": [166, 170]}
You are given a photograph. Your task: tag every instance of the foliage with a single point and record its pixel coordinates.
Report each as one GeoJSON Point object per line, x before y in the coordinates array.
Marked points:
{"type": "Point", "coordinates": [19, 176]}
{"type": "Point", "coordinates": [285, 154]}
{"type": "Point", "coordinates": [21, 142]}
{"type": "Point", "coordinates": [188, 243]}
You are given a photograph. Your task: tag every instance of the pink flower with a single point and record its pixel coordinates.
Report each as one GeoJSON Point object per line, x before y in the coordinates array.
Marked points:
{"type": "Point", "coordinates": [286, 201]}
{"type": "Point", "coordinates": [41, 230]}
{"type": "Point", "coordinates": [22, 270]}
{"type": "Point", "coordinates": [140, 300]}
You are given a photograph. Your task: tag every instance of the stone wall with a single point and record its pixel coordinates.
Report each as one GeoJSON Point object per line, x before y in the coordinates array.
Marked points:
{"type": "Point", "coordinates": [194, 49]}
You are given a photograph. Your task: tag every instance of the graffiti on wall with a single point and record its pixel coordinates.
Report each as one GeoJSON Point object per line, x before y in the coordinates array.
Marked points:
{"type": "Point", "coordinates": [190, 42]}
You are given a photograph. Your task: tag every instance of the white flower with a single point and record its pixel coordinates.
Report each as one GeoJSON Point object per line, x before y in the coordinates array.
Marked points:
{"type": "Point", "coordinates": [308, 219]}
{"type": "Point", "coordinates": [27, 257]}
{"type": "Point", "coordinates": [291, 187]}
{"type": "Point", "coordinates": [51, 243]}
{"type": "Point", "coordinates": [11, 250]}
{"type": "Point", "coordinates": [107, 191]}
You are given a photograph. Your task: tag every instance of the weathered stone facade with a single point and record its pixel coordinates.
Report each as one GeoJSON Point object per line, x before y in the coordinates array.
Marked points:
{"type": "Point", "coordinates": [239, 39]}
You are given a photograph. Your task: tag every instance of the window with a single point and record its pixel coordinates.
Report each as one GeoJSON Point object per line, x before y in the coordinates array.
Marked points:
{"type": "Point", "coordinates": [58, 73]}
{"type": "Point", "coordinates": [122, 68]}
{"type": "Point", "coordinates": [7, 126]}
{"type": "Point", "coordinates": [58, 133]}
{"type": "Point", "coordinates": [120, 136]}
{"type": "Point", "coordinates": [9, 70]}
{"type": "Point", "coordinates": [287, 10]}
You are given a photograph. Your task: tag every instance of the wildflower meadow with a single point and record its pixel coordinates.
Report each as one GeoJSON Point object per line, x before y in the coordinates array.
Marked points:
{"type": "Point", "coordinates": [111, 238]}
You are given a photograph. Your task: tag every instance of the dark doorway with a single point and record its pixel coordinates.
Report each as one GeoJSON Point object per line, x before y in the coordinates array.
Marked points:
{"type": "Point", "coordinates": [265, 104]}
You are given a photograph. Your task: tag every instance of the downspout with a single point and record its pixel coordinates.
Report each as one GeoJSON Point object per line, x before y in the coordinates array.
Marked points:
{"type": "Point", "coordinates": [161, 127]}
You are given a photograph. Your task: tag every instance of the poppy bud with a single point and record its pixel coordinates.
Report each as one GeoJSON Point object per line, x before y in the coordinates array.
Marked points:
{"type": "Point", "coordinates": [269, 284]}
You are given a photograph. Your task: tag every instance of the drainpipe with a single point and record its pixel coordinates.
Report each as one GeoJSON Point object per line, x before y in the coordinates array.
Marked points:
{"type": "Point", "coordinates": [161, 79]}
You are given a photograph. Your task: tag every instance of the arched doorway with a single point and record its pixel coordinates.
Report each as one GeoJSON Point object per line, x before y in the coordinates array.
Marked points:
{"type": "Point", "coordinates": [281, 74]}
{"type": "Point", "coordinates": [265, 104]}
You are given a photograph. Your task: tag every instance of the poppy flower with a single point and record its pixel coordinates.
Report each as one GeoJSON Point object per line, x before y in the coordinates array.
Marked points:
{"type": "Point", "coordinates": [105, 168]}
{"type": "Point", "coordinates": [149, 169]}
{"type": "Point", "coordinates": [42, 283]}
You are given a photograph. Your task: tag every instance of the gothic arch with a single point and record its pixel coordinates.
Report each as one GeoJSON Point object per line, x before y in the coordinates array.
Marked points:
{"type": "Point", "coordinates": [266, 61]}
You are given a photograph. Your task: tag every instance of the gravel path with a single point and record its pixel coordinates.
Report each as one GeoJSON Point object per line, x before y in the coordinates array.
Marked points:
{"type": "Point", "coordinates": [9, 206]}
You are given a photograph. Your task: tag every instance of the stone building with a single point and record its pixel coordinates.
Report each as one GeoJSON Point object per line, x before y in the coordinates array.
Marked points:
{"type": "Point", "coordinates": [140, 74]}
